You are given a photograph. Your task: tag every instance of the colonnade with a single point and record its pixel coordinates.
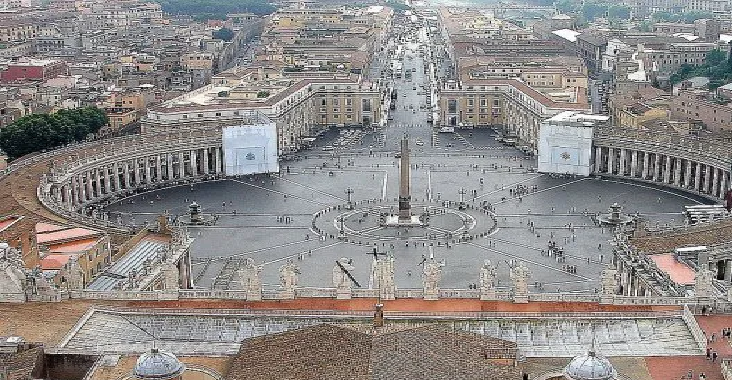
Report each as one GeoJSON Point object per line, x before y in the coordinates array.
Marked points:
{"type": "Point", "coordinates": [631, 282]}
{"type": "Point", "coordinates": [119, 172]}
{"type": "Point", "coordinates": [694, 174]}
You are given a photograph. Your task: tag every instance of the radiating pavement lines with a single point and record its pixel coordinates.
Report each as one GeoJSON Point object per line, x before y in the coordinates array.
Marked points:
{"type": "Point", "coordinates": [509, 186]}
{"type": "Point", "coordinates": [280, 192]}
{"type": "Point", "coordinates": [519, 258]}
{"type": "Point", "coordinates": [543, 190]}
{"type": "Point", "coordinates": [654, 188]}
{"type": "Point", "coordinates": [220, 258]}
{"type": "Point", "coordinates": [281, 178]}
{"type": "Point", "coordinates": [301, 253]}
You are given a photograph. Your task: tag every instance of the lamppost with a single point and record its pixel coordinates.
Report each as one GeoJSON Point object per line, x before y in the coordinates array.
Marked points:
{"type": "Point", "coordinates": [349, 192]}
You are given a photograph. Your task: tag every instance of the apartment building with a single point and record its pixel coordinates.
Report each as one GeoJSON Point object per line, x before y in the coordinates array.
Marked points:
{"type": "Point", "coordinates": [18, 30]}
{"type": "Point", "coordinates": [509, 103]}
{"type": "Point", "coordinates": [300, 107]}
{"type": "Point", "coordinates": [701, 106]}
{"type": "Point", "coordinates": [669, 60]}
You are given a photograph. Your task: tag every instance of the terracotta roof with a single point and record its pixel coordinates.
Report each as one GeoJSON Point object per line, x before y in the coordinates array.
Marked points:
{"type": "Point", "coordinates": [24, 364]}
{"type": "Point", "coordinates": [330, 352]}
{"type": "Point", "coordinates": [65, 234]}
{"type": "Point", "coordinates": [42, 227]}
{"type": "Point", "coordinates": [5, 223]}
{"type": "Point", "coordinates": [536, 95]}
{"type": "Point", "coordinates": [707, 234]}
{"type": "Point", "coordinates": [680, 273]}
{"type": "Point", "coordinates": [74, 246]}
{"type": "Point", "coordinates": [53, 262]}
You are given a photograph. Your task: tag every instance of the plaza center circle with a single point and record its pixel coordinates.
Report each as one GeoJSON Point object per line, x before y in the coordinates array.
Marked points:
{"type": "Point", "coordinates": [510, 214]}
{"type": "Point", "coordinates": [442, 222]}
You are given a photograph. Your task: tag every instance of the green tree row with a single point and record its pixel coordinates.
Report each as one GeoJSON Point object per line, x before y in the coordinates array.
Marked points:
{"type": "Point", "coordinates": [589, 10]}
{"type": "Point", "coordinates": [39, 132]}
{"type": "Point", "coordinates": [225, 34]}
{"type": "Point", "coordinates": [717, 67]}
{"type": "Point", "coordinates": [216, 9]}
{"type": "Point", "coordinates": [686, 17]}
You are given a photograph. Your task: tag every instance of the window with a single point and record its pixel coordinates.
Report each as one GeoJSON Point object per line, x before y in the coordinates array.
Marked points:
{"type": "Point", "coordinates": [452, 106]}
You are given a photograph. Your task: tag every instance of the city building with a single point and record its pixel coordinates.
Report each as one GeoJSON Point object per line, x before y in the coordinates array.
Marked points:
{"type": "Point", "coordinates": [33, 70]}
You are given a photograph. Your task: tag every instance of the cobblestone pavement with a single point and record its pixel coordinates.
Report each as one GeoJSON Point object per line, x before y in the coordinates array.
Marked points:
{"type": "Point", "coordinates": [270, 218]}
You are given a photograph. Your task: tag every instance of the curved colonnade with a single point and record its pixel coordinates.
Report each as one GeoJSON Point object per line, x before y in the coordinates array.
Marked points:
{"type": "Point", "coordinates": [697, 165]}
{"type": "Point", "coordinates": [116, 168]}
{"type": "Point", "coordinates": [107, 170]}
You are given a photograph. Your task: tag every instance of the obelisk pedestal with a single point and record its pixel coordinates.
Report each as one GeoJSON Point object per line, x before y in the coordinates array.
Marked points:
{"type": "Point", "coordinates": [405, 209]}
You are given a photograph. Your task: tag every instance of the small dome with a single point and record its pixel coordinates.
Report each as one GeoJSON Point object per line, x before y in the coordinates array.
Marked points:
{"type": "Point", "coordinates": [158, 365]}
{"type": "Point", "coordinates": [590, 367]}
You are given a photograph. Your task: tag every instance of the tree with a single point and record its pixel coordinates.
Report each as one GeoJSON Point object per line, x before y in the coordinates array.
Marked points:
{"type": "Point", "coordinates": [216, 7]}
{"type": "Point", "coordinates": [39, 132]}
{"type": "Point", "coordinates": [715, 57]}
{"type": "Point", "coordinates": [225, 34]}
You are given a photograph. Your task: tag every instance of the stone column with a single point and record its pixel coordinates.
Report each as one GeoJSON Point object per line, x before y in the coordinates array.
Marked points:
{"type": "Point", "coordinates": [687, 176]}
{"type": "Point", "coordinates": [728, 270]}
{"type": "Point", "coordinates": [205, 161]}
{"type": "Point", "coordinates": [148, 170]}
{"type": "Point", "coordinates": [611, 161]}
{"type": "Point", "coordinates": [158, 168]}
{"type": "Point", "coordinates": [82, 189]}
{"type": "Point", "coordinates": [194, 163]}
{"type": "Point", "coordinates": [677, 171]}
{"type": "Point", "coordinates": [707, 176]}
{"type": "Point", "coordinates": [598, 159]}
{"type": "Point", "coordinates": [69, 197]}
{"type": "Point", "coordinates": [89, 187]}
{"type": "Point", "coordinates": [181, 165]}
{"type": "Point", "coordinates": [107, 180]}
{"type": "Point", "coordinates": [621, 169]}
{"type": "Point", "coordinates": [126, 173]}
{"type": "Point", "coordinates": [656, 167]}
{"type": "Point", "coordinates": [697, 177]}
{"type": "Point", "coordinates": [634, 164]}
{"type": "Point", "coordinates": [169, 170]}
{"type": "Point", "coordinates": [646, 164]}
{"type": "Point", "coordinates": [72, 190]}
{"type": "Point", "coordinates": [115, 174]}
{"type": "Point", "coordinates": [217, 159]}
{"type": "Point", "coordinates": [98, 181]}
{"type": "Point", "coordinates": [715, 182]}
{"type": "Point", "coordinates": [667, 170]}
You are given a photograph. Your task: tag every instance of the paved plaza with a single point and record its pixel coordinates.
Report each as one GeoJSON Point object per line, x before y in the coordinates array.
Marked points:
{"type": "Point", "coordinates": [299, 214]}
{"type": "Point", "coordinates": [271, 218]}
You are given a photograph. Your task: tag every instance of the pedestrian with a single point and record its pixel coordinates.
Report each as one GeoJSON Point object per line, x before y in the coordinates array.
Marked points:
{"type": "Point", "coordinates": [709, 353]}
{"type": "Point", "coordinates": [714, 356]}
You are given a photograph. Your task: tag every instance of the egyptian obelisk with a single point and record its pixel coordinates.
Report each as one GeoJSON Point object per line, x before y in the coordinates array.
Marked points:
{"type": "Point", "coordinates": [405, 210]}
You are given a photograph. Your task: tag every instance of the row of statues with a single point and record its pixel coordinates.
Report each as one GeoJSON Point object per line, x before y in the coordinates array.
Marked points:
{"type": "Point", "coordinates": [248, 278]}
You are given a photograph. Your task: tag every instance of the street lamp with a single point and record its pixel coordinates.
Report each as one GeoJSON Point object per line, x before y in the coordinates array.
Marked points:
{"type": "Point", "coordinates": [349, 192]}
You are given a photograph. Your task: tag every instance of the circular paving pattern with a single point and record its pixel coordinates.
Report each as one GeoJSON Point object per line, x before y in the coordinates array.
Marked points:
{"type": "Point", "coordinates": [511, 213]}
{"type": "Point", "coordinates": [441, 222]}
